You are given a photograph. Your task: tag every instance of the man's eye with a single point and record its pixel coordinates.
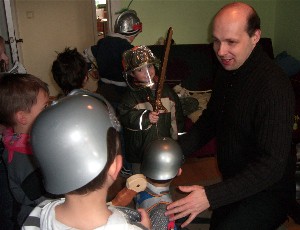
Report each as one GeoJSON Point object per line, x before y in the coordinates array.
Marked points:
{"type": "Point", "coordinates": [216, 42]}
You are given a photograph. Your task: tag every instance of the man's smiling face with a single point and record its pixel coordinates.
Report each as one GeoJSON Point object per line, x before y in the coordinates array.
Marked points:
{"type": "Point", "coordinates": [232, 44]}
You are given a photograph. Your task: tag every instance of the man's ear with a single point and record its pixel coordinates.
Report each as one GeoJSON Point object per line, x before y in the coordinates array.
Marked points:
{"type": "Point", "coordinates": [21, 117]}
{"type": "Point", "coordinates": [115, 167]}
{"type": "Point", "coordinates": [256, 37]}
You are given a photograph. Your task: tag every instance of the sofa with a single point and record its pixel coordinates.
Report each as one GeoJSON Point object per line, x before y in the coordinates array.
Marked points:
{"type": "Point", "coordinates": [295, 79]}
{"type": "Point", "coordinates": [192, 66]}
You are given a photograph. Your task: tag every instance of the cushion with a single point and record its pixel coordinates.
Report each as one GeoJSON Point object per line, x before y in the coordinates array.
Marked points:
{"type": "Point", "coordinates": [289, 64]}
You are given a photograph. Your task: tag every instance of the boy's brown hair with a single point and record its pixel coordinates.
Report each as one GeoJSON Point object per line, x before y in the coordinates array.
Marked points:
{"type": "Point", "coordinates": [18, 92]}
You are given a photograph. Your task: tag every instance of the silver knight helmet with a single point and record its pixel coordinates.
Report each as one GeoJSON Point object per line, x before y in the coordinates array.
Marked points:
{"type": "Point", "coordinates": [128, 23]}
{"type": "Point", "coordinates": [162, 159]}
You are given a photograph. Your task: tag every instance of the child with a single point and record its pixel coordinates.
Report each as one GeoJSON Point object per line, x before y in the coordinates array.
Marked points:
{"type": "Point", "coordinates": [7, 202]}
{"type": "Point", "coordinates": [161, 163]}
{"type": "Point", "coordinates": [141, 124]}
{"type": "Point", "coordinates": [22, 98]}
{"type": "Point", "coordinates": [70, 71]}
{"type": "Point", "coordinates": [77, 145]}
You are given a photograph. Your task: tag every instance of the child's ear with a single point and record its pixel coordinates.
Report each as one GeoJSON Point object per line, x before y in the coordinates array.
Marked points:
{"type": "Point", "coordinates": [21, 117]}
{"type": "Point", "coordinates": [85, 79]}
{"type": "Point", "coordinates": [115, 167]}
{"type": "Point", "coordinates": [179, 172]}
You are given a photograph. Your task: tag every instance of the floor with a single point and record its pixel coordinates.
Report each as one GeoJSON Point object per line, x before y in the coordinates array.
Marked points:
{"type": "Point", "coordinates": [202, 171]}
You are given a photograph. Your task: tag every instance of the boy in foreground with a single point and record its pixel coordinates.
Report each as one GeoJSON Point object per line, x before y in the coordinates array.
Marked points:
{"type": "Point", "coordinates": [77, 145]}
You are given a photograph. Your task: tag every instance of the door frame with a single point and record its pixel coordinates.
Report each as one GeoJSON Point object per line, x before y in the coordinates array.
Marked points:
{"type": "Point", "coordinates": [12, 33]}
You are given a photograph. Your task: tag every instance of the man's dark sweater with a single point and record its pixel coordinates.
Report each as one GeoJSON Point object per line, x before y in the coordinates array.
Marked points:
{"type": "Point", "coordinates": [250, 113]}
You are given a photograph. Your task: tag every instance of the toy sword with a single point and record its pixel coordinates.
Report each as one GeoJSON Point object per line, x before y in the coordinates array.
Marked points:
{"type": "Point", "coordinates": [157, 105]}
{"type": "Point", "coordinates": [134, 184]}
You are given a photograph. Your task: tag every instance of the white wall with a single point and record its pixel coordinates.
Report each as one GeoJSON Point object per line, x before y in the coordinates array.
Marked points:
{"type": "Point", "coordinates": [57, 24]}
{"type": "Point", "coordinates": [287, 29]}
{"type": "Point", "coordinates": [47, 27]}
{"type": "Point", "coordinates": [190, 19]}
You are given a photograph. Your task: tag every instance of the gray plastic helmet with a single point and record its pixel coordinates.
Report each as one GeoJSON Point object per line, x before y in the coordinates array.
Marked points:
{"type": "Point", "coordinates": [162, 159]}
{"type": "Point", "coordinates": [128, 23]}
{"type": "Point", "coordinates": [69, 140]}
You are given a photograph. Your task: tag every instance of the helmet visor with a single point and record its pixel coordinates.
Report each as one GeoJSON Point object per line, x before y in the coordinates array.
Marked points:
{"type": "Point", "coordinates": [140, 77]}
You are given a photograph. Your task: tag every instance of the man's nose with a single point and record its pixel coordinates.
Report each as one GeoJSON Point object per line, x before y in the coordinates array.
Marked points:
{"type": "Point", "coordinates": [222, 49]}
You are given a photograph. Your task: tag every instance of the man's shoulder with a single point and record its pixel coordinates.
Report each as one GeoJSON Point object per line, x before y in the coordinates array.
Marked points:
{"type": "Point", "coordinates": [267, 69]}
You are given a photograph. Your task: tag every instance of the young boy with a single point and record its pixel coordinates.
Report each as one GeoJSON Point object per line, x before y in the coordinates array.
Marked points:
{"type": "Point", "coordinates": [77, 145]}
{"type": "Point", "coordinates": [162, 161]}
{"type": "Point", "coordinates": [70, 71]}
{"type": "Point", "coordinates": [141, 124]}
{"type": "Point", "coordinates": [22, 98]}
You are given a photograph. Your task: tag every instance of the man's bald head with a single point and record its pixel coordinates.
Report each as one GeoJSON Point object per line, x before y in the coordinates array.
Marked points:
{"type": "Point", "coordinates": [242, 12]}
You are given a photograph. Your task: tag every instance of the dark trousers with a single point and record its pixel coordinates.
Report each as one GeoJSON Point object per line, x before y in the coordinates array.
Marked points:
{"type": "Point", "coordinates": [114, 94]}
{"type": "Point", "coordinates": [8, 206]}
{"type": "Point", "coordinates": [263, 211]}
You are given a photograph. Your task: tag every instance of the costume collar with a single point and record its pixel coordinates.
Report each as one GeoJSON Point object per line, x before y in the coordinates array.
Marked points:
{"type": "Point", "coordinates": [14, 142]}
{"type": "Point", "coordinates": [116, 35]}
{"type": "Point", "coordinates": [158, 190]}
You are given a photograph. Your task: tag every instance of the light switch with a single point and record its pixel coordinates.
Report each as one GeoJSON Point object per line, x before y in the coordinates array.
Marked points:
{"type": "Point", "coordinates": [29, 14]}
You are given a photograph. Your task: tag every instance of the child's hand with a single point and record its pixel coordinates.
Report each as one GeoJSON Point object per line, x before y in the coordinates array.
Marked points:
{"type": "Point", "coordinates": [145, 220]}
{"type": "Point", "coordinates": [153, 117]}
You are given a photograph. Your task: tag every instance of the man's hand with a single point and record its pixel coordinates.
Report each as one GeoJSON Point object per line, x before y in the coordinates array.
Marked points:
{"type": "Point", "coordinates": [145, 220]}
{"type": "Point", "coordinates": [191, 205]}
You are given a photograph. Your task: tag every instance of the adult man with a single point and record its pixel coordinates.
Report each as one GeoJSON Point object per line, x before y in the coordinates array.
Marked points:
{"type": "Point", "coordinates": [250, 114]}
